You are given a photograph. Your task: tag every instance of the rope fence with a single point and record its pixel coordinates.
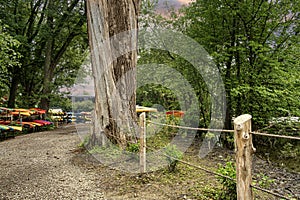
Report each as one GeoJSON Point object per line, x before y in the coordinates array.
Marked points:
{"type": "Point", "coordinates": [191, 128]}
{"type": "Point", "coordinates": [195, 166]}
{"type": "Point", "coordinates": [239, 128]}
{"type": "Point", "coordinates": [277, 136]}
{"type": "Point", "coordinates": [225, 131]}
{"type": "Point", "coordinates": [218, 174]}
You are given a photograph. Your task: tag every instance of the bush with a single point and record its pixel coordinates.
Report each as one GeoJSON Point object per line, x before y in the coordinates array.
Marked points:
{"type": "Point", "coordinates": [228, 191]}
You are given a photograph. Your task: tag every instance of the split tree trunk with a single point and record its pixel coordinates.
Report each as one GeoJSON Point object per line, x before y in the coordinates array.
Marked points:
{"type": "Point", "coordinates": [114, 78]}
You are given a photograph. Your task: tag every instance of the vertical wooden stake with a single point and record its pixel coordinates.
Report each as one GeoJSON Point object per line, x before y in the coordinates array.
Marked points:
{"type": "Point", "coordinates": [56, 123]}
{"type": "Point", "coordinates": [143, 143]}
{"type": "Point", "coordinates": [244, 151]}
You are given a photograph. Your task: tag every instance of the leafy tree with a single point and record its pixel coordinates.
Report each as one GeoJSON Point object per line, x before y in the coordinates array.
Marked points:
{"type": "Point", "coordinates": [253, 44]}
{"type": "Point", "coordinates": [149, 94]}
{"type": "Point", "coordinates": [53, 39]}
{"type": "Point", "coordinates": [83, 106]}
{"type": "Point", "coordinates": [9, 58]}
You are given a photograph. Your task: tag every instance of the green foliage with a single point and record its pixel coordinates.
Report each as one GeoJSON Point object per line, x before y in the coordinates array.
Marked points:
{"type": "Point", "coordinates": [263, 181]}
{"type": "Point", "coordinates": [254, 52]}
{"type": "Point", "coordinates": [9, 58]}
{"type": "Point", "coordinates": [151, 94]}
{"type": "Point", "coordinates": [50, 127]}
{"type": "Point", "coordinates": [85, 106]}
{"type": "Point", "coordinates": [107, 152]}
{"type": "Point", "coordinates": [52, 31]}
{"type": "Point", "coordinates": [133, 147]}
{"type": "Point", "coordinates": [172, 120]}
{"type": "Point", "coordinates": [228, 191]}
{"type": "Point", "coordinates": [133, 150]}
{"type": "Point", "coordinates": [290, 151]}
{"type": "Point", "coordinates": [173, 155]}
{"type": "Point", "coordinates": [59, 101]}
{"type": "Point", "coordinates": [283, 126]}
{"type": "Point", "coordinates": [160, 137]}
{"type": "Point", "coordinates": [96, 150]}
{"type": "Point", "coordinates": [8, 54]}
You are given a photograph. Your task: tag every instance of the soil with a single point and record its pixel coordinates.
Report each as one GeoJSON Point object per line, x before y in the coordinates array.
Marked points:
{"type": "Point", "coordinates": [50, 165]}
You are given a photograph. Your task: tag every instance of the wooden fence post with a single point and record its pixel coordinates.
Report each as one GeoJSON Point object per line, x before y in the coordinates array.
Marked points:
{"type": "Point", "coordinates": [56, 123]}
{"type": "Point", "coordinates": [244, 150]}
{"type": "Point", "coordinates": [143, 142]}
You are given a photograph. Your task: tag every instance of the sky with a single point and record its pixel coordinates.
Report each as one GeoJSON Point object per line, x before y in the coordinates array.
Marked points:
{"type": "Point", "coordinates": [172, 3]}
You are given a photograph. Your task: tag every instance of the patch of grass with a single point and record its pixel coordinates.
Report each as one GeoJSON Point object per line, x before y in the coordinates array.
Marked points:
{"type": "Point", "coordinates": [85, 141]}
{"type": "Point", "coordinates": [160, 139]}
{"type": "Point", "coordinates": [106, 152]}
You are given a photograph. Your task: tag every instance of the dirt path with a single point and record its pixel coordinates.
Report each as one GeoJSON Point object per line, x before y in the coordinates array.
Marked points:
{"type": "Point", "coordinates": [39, 166]}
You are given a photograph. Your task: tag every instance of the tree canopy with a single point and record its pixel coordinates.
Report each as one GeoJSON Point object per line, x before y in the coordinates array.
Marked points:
{"type": "Point", "coordinates": [53, 45]}
{"type": "Point", "coordinates": [254, 45]}
{"type": "Point", "coordinates": [9, 57]}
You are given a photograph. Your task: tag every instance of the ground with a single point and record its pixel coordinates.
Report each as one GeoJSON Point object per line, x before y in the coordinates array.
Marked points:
{"type": "Point", "coordinates": [50, 165]}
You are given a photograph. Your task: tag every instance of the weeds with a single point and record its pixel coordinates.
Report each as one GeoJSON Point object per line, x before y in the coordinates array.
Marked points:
{"type": "Point", "coordinates": [174, 154]}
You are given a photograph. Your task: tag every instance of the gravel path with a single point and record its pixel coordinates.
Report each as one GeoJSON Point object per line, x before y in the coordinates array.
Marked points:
{"type": "Point", "coordinates": [48, 165]}
{"type": "Point", "coordinates": [39, 166]}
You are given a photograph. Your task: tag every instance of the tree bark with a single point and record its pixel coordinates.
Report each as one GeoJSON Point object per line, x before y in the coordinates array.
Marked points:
{"type": "Point", "coordinates": [114, 78]}
{"type": "Point", "coordinates": [47, 75]}
{"type": "Point", "coordinates": [13, 91]}
{"type": "Point", "coordinates": [48, 59]}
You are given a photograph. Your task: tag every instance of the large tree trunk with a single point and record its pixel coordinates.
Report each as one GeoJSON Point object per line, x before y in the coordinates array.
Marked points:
{"type": "Point", "coordinates": [114, 78]}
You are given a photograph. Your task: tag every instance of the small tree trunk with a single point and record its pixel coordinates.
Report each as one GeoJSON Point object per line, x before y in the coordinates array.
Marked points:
{"type": "Point", "coordinates": [13, 92]}
{"type": "Point", "coordinates": [114, 78]}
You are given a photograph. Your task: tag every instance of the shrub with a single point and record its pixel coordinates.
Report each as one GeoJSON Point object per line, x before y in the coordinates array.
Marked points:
{"type": "Point", "coordinates": [263, 181]}
{"type": "Point", "coordinates": [228, 191]}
